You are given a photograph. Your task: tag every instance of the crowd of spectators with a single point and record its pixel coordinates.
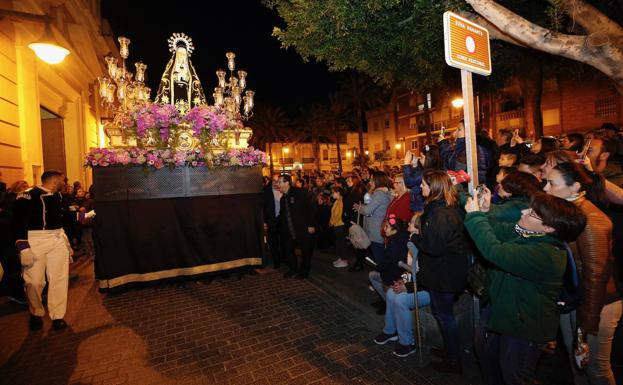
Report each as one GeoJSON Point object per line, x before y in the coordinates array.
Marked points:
{"type": "Point", "coordinates": [546, 212]}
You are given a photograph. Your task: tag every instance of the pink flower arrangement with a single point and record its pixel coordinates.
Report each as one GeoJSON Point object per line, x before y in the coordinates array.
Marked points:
{"type": "Point", "coordinates": [241, 157]}
{"type": "Point", "coordinates": [165, 115]}
{"type": "Point", "coordinates": [152, 116]}
{"type": "Point", "coordinates": [207, 119]}
{"type": "Point", "coordinates": [104, 157]}
{"type": "Point", "coordinates": [162, 121]}
{"type": "Point", "coordinates": [101, 157]}
{"type": "Point", "coordinates": [179, 158]}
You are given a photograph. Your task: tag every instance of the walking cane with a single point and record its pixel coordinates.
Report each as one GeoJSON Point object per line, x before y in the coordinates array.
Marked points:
{"type": "Point", "coordinates": [414, 253]}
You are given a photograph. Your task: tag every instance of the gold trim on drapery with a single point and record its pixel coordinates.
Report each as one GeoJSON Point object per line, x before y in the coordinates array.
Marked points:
{"type": "Point", "coordinates": [184, 271]}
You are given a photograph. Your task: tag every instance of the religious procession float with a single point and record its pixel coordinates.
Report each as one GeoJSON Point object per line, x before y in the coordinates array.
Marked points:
{"type": "Point", "coordinates": [177, 190]}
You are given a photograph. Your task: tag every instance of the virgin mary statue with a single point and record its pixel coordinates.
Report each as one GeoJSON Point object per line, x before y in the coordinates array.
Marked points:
{"type": "Point", "coordinates": [179, 84]}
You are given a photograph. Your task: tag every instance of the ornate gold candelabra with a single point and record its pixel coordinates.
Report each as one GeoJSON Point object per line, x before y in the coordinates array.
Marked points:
{"type": "Point", "coordinates": [118, 92]}
{"type": "Point", "coordinates": [228, 93]}
{"type": "Point", "coordinates": [128, 92]}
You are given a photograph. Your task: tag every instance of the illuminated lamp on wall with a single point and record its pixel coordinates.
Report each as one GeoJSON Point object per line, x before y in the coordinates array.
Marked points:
{"type": "Point", "coordinates": [46, 48]}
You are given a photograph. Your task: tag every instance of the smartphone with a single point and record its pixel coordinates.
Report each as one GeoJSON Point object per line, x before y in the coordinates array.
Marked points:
{"type": "Point", "coordinates": [480, 189]}
{"type": "Point", "coordinates": [584, 152]}
{"type": "Point", "coordinates": [480, 193]}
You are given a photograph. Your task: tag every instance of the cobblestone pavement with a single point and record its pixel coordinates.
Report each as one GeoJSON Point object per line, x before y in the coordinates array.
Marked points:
{"type": "Point", "coordinates": [262, 329]}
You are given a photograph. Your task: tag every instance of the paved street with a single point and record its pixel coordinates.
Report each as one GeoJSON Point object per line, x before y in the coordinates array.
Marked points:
{"type": "Point", "coordinates": [263, 329]}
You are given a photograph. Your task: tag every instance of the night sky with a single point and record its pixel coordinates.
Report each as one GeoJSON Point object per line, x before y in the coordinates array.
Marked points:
{"type": "Point", "coordinates": [279, 77]}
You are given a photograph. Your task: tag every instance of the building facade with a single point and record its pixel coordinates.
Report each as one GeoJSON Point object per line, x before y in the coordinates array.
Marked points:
{"type": "Point", "coordinates": [300, 155]}
{"type": "Point", "coordinates": [568, 104]}
{"type": "Point", "coordinates": [49, 114]}
{"type": "Point", "coordinates": [383, 143]}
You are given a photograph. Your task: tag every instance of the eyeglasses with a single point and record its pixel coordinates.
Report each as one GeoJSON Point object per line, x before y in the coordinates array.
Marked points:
{"type": "Point", "coordinates": [533, 215]}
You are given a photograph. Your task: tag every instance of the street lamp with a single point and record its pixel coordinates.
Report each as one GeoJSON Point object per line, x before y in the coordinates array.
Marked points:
{"type": "Point", "coordinates": [457, 103]}
{"type": "Point", "coordinates": [46, 48]}
{"type": "Point", "coordinates": [398, 146]}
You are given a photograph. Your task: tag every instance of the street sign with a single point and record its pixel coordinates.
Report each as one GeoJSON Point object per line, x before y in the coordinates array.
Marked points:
{"type": "Point", "coordinates": [466, 44]}
{"type": "Point", "coordinates": [467, 47]}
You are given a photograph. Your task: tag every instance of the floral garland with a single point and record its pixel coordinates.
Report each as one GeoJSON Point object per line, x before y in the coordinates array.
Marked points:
{"type": "Point", "coordinates": [158, 158]}
{"type": "Point", "coordinates": [241, 157]}
{"type": "Point", "coordinates": [161, 123]}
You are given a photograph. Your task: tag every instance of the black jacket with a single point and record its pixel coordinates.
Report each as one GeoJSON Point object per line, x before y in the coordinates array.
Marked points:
{"type": "Point", "coordinates": [36, 209]}
{"type": "Point", "coordinates": [442, 246]}
{"type": "Point", "coordinates": [354, 195]}
{"type": "Point", "coordinates": [301, 211]}
{"type": "Point", "coordinates": [395, 251]}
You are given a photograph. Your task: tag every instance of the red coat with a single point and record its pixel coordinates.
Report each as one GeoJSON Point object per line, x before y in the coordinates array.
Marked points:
{"type": "Point", "coordinates": [401, 207]}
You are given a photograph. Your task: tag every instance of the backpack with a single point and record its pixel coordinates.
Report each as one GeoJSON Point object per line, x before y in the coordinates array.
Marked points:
{"type": "Point", "coordinates": [357, 236]}
{"type": "Point", "coordinates": [571, 293]}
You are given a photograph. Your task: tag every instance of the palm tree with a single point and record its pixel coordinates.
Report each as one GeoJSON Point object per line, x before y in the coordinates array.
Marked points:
{"type": "Point", "coordinates": [362, 94]}
{"type": "Point", "coordinates": [338, 115]}
{"type": "Point", "coordinates": [270, 125]}
{"type": "Point", "coordinates": [313, 124]}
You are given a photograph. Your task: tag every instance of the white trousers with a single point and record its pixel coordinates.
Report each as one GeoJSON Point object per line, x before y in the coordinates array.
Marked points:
{"type": "Point", "coordinates": [51, 250]}
{"type": "Point", "coordinates": [598, 371]}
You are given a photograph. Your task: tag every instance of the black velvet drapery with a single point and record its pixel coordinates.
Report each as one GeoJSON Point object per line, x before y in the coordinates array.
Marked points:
{"type": "Point", "coordinates": [147, 240]}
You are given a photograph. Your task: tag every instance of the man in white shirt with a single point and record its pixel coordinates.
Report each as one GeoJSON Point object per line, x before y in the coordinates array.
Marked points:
{"type": "Point", "coordinates": [271, 198]}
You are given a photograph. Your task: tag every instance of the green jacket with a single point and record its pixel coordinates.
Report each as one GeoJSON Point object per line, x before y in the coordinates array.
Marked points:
{"type": "Point", "coordinates": [525, 280]}
{"type": "Point", "coordinates": [509, 210]}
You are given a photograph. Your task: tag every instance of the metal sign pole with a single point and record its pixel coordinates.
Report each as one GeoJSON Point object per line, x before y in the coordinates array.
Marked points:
{"type": "Point", "coordinates": [472, 155]}
{"type": "Point", "coordinates": [470, 129]}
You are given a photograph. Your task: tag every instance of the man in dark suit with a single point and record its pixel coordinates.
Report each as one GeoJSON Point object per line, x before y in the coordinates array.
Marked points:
{"type": "Point", "coordinates": [296, 226]}
{"type": "Point", "coordinates": [271, 197]}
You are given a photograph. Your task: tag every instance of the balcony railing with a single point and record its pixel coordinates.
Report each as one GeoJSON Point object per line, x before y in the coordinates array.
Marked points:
{"type": "Point", "coordinates": [607, 107]}
{"type": "Point", "coordinates": [516, 114]}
